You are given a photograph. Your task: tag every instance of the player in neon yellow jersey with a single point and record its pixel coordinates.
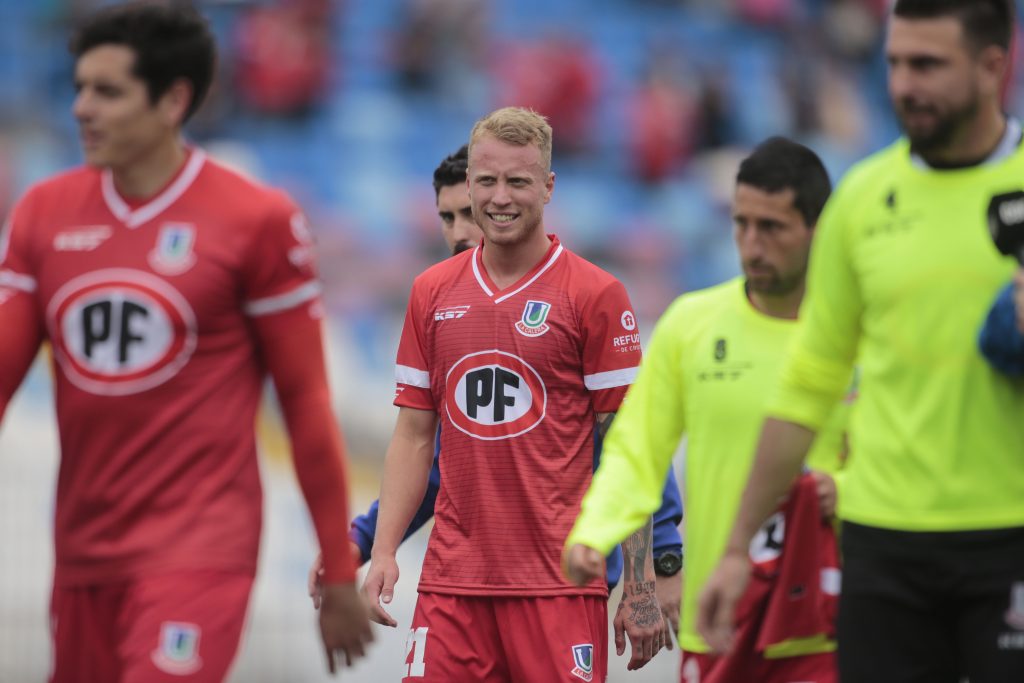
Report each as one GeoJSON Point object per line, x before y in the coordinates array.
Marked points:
{"type": "Point", "coordinates": [712, 361]}
{"type": "Point", "coordinates": [902, 274]}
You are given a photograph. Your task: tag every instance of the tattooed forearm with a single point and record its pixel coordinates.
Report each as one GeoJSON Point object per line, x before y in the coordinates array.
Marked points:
{"type": "Point", "coordinates": [644, 610]}
{"type": "Point", "coordinates": [604, 423]}
{"type": "Point", "coordinates": [635, 551]}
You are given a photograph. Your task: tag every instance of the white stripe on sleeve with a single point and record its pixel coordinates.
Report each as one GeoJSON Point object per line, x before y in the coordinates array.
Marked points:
{"type": "Point", "coordinates": [282, 302]}
{"type": "Point", "coordinates": [26, 283]}
{"type": "Point", "coordinates": [412, 377]}
{"type": "Point", "coordinates": [610, 379]}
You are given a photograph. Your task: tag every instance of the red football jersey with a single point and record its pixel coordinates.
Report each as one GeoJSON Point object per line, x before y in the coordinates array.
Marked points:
{"type": "Point", "coordinates": [517, 376]}
{"type": "Point", "coordinates": [148, 309]}
{"type": "Point", "coordinates": [794, 586]}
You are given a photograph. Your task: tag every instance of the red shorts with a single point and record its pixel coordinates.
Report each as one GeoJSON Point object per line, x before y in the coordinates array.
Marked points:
{"type": "Point", "coordinates": [182, 627]}
{"type": "Point", "coordinates": [471, 639]}
{"type": "Point", "coordinates": [699, 667]}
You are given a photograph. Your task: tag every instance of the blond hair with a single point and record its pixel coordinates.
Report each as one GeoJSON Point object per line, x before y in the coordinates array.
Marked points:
{"type": "Point", "coordinates": [516, 126]}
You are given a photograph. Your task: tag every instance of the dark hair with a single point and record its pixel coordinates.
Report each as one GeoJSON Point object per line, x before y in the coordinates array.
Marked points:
{"type": "Point", "coordinates": [779, 164]}
{"type": "Point", "coordinates": [170, 42]}
{"type": "Point", "coordinates": [985, 22]}
{"type": "Point", "coordinates": [452, 170]}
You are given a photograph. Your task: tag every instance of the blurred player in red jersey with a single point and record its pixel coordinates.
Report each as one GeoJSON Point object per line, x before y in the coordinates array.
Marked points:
{"type": "Point", "coordinates": [518, 346]}
{"type": "Point", "coordinates": [168, 287]}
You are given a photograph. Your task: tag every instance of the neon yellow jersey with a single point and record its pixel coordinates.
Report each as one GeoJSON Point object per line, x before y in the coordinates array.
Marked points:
{"type": "Point", "coordinates": [709, 369]}
{"type": "Point", "coordinates": [902, 273]}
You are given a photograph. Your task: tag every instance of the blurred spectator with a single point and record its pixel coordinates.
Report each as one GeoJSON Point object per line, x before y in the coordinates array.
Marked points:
{"type": "Point", "coordinates": [440, 44]}
{"type": "Point", "coordinates": [283, 56]}
{"type": "Point", "coordinates": [663, 115]}
{"type": "Point", "coordinates": [557, 77]}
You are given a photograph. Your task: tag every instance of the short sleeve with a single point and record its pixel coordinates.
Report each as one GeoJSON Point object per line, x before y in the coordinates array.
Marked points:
{"type": "Point", "coordinates": [16, 270]}
{"type": "Point", "coordinates": [611, 346]}
{"type": "Point", "coordinates": [280, 271]}
{"type": "Point", "coordinates": [412, 376]}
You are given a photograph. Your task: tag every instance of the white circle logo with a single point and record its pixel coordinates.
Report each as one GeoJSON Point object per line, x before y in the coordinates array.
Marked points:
{"type": "Point", "coordinates": [494, 395]}
{"type": "Point", "coordinates": [628, 320]}
{"type": "Point", "coordinates": [117, 332]}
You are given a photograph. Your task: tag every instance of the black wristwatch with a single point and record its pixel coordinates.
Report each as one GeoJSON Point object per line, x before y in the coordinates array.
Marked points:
{"type": "Point", "coordinates": [668, 563]}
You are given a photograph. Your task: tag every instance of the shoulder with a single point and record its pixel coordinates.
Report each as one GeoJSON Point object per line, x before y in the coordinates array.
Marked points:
{"type": "Point", "coordinates": [443, 272]}
{"type": "Point", "coordinates": [594, 277]}
{"type": "Point", "coordinates": [701, 302]}
{"type": "Point", "coordinates": [875, 172]}
{"type": "Point", "coordinates": [61, 186]}
{"type": "Point", "coordinates": [241, 193]}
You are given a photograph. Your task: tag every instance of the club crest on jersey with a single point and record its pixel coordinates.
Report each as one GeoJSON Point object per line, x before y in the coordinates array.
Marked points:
{"type": "Point", "coordinates": [493, 395]}
{"type": "Point", "coordinates": [1015, 615]}
{"type": "Point", "coordinates": [583, 661]}
{"type": "Point", "coordinates": [118, 331]}
{"type": "Point", "coordinates": [173, 253]}
{"type": "Point", "coordinates": [767, 542]}
{"type": "Point", "coordinates": [532, 323]}
{"type": "Point", "coordinates": [178, 651]}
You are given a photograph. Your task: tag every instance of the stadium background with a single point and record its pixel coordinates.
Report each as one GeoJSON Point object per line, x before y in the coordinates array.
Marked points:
{"type": "Point", "coordinates": [349, 105]}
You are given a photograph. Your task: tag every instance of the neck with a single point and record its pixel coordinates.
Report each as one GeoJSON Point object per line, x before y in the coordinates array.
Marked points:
{"type": "Point", "coordinates": [145, 176]}
{"type": "Point", "coordinates": [778, 305]}
{"type": "Point", "coordinates": [507, 263]}
{"type": "Point", "coordinates": [972, 145]}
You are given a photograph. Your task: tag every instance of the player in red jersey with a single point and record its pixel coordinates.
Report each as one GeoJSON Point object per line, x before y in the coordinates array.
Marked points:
{"type": "Point", "coordinates": [168, 287]}
{"type": "Point", "coordinates": [517, 346]}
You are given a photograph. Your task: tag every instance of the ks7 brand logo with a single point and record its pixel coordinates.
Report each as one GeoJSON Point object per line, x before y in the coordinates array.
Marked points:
{"type": "Point", "coordinates": [494, 395]}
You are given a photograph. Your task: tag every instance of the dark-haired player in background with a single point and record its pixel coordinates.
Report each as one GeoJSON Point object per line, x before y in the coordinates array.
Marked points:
{"type": "Point", "coordinates": [710, 367]}
{"type": "Point", "coordinates": [902, 272]}
{"type": "Point", "coordinates": [168, 287]}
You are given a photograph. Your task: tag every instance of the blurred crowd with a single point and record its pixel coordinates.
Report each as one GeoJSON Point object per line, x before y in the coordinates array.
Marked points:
{"type": "Point", "coordinates": [350, 105]}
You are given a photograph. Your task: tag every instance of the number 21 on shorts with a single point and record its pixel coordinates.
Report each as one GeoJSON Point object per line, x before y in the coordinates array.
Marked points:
{"type": "Point", "coordinates": [416, 642]}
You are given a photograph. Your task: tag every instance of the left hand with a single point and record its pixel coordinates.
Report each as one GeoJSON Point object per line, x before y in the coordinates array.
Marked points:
{"type": "Point", "coordinates": [344, 624]}
{"type": "Point", "coordinates": [639, 617]}
{"type": "Point", "coordinates": [669, 590]}
{"type": "Point", "coordinates": [825, 486]}
{"type": "Point", "coordinates": [581, 564]}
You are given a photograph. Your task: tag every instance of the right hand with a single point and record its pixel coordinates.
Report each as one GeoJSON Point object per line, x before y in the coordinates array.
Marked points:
{"type": "Point", "coordinates": [379, 588]}
{"type": "Point", "coordinates": [716, 608]}
{"type": "Point", "coordinates": [344, 626]}
{"type": "Point", "coordinates": [314, 584]}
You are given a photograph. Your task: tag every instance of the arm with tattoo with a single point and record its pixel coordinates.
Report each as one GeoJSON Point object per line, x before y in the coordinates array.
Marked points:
{"type": "Point", "coordinates": [639, 615]}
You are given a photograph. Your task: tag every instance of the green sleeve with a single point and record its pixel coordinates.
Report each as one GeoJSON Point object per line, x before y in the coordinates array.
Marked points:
{"type": "Point", "coordinates": [819, 365]}
{"type": "Point", "coordinates": [638, 449]}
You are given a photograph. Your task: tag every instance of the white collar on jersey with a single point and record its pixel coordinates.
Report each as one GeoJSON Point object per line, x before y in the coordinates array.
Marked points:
{"type": "Point", "coordinates": [1009, 143]}
{"type": "Point", "coordinates": [154, 207]}
{"type": "Point", "coordinates": [477, 260]}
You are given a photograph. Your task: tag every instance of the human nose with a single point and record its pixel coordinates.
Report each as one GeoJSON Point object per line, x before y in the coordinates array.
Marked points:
{"type": "Point", "coordinates": [465, 230]}
{"type": "Point", "coordinates": [81, 107]}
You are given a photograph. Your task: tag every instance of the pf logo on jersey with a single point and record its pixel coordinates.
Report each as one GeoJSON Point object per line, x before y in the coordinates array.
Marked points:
{"type": "Point", "coordinates": [118, 331]}
{"type": "Point", "coordinates": [494, 395]}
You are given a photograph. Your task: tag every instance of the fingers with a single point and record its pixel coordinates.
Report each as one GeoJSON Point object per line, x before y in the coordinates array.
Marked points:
{"type": "Point", "coordinates": [582, 564]}
{"type": "Point", "coordinates": [715, 621]}
{"type": "Point", "coordinates": [380, 616]}
{"type": "Point", "coordinates": [330, 660]}
{"type": "Point", "coordinates": [620, 638]}
{"type": "Point", "coordinates": [669, 630]}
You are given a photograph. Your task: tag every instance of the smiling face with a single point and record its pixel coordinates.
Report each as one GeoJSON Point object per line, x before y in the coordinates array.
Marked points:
{"type": "Point", "coordinates": [773, 239]}
{"type": "Point", "coordinates": [935, 80]}
{"type": "Point", "coordinates": [118, 125]}
{"type": "Point", "coordinates": [458, 228]}
{"type": "Point", "coordinates": [508, 188]}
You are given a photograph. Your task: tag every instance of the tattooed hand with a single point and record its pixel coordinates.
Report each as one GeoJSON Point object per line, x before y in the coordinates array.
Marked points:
{"type": "Point", "coordinates": [639, 614]}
